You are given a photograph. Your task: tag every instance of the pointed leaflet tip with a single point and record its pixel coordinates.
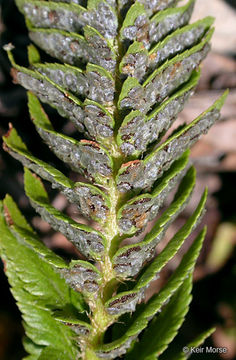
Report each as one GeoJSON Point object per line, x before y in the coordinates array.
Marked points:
{"type": "Point", "coordinates": [11, 137]}
{"type": "Point", "coordinates": [15, 215]}
{"type": "Point", "coordinates": [220, 102]}
{"type": "Point", "coordinates": [33, 54]}
{"type": "Point", "coordinates": [34, 187]}
{"type": "Point", "coordinates": [37, 113]}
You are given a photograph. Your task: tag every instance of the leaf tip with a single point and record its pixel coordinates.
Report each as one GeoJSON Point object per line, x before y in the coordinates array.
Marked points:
{"type": "Point", "coordinates": [8, 133]}
{"type": "Point", "coordinates": [33, 54]}
{"type": "Point", "coordinates": [34, 186]}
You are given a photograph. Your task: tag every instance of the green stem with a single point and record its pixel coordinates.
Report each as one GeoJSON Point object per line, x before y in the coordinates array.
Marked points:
{"type": "Point", "coordinates": [100, 319]}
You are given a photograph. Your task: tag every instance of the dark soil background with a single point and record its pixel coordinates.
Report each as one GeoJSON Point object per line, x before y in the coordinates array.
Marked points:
{"type": "Point", "coordinates": [214, 292]}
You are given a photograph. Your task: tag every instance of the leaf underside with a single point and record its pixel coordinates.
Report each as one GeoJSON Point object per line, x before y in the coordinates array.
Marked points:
{"type": "Point", "coordinates": [122, 72]}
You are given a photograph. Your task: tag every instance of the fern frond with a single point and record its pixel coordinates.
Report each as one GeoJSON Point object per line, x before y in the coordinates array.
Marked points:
{"type": "Point", "coordinates": [122, 72]}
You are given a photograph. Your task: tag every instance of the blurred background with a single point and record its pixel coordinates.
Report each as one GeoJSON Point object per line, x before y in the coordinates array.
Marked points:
{"type": "Point", "coordinates": [214, 292]}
